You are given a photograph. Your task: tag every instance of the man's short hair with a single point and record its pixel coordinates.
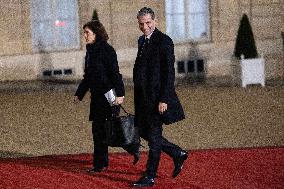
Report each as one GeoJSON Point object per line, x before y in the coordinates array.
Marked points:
{"type": "Point", "coordinates": [144, 11]}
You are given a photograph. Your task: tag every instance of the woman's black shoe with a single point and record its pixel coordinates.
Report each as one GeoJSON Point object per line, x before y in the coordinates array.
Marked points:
{"type": "Point", "coordinates": [133, 149]}
{"type": "Point", "coordinates": [96, 169]}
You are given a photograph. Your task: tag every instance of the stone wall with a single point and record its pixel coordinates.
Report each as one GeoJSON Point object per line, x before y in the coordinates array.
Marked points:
{"type": "Point", "coordinates": [119, 18]}
{"type": "Point", "coordinates": [15, 32]}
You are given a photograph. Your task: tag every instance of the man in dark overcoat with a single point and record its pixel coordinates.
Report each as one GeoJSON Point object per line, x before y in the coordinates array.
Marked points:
{"type": "Point", "coordinates": [156, 102]}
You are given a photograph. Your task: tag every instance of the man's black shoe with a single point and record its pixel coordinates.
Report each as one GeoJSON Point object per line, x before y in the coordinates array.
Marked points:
{"type": "Point", "coordinates": [144, 182]}
{"type": "Point", "coordinates": [178, 162]}
{"type": "Point", "coordinates": [96, 169]}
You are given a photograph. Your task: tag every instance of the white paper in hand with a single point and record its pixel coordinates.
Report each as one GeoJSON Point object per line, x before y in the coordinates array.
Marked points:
{"type": "Point", "coordinates": [110, 96]}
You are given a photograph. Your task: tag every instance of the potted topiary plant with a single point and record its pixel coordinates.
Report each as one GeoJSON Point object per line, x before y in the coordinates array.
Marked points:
{"type": "Point", "coordinates": [252, 66]}
{"type": "Point", "coordinates": [95, 15]}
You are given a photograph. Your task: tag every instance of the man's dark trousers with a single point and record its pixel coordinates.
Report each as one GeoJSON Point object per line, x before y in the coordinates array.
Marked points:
{"type": "Point", "coordinates": [152, 131]}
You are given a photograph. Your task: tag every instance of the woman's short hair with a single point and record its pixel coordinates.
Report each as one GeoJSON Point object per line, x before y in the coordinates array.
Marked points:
{"type": "Point", "coordinates": [144, 11]}
{"type": "Point", "coordinates": [98, 28]}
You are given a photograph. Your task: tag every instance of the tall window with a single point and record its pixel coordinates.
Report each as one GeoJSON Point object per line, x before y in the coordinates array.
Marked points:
{"type": "Point", "coordinates": [54, 24]}
{"type": "Point", "coordinates": [187, 19]}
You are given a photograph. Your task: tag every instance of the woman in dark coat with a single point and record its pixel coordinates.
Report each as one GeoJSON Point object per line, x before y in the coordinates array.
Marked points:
{"type": "Point", "coordinates": [100, 75]}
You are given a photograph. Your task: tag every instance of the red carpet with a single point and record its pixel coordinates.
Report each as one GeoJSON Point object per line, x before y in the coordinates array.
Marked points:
{"type": "Point", "coordinates": [260, 168]}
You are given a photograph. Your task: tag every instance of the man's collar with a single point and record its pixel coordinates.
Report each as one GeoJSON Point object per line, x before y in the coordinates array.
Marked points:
{"type": "Point", "coordinates": [149, 36]}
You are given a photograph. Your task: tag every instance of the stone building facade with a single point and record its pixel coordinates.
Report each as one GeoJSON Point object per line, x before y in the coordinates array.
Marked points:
{"type": "Point", "coordinates": [20, 60]}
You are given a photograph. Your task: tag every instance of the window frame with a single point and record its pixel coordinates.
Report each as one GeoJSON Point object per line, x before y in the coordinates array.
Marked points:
{"type": "Point", "coordinates": [187, 13]}
{"type": "Point", "coordinates": [53, 45]}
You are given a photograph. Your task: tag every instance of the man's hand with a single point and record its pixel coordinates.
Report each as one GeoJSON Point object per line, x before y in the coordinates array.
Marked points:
{"type": "Point", "coordinates": [118, 100]}
{"type": "Point", "coordinates": [162, 107]}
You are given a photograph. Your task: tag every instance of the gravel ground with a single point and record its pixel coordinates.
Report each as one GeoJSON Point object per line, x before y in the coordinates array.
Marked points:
{"type": "Point", "coordinates": [43, 122]}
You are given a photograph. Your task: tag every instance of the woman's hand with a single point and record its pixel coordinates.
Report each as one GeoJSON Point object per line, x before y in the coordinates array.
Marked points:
{"type": "Point", "coordinates": [162, 107]}
{"type": "Point", "coordinates": [118, 100]}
